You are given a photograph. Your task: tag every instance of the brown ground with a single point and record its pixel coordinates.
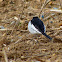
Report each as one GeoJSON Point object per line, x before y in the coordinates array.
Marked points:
{"type": "Point", "coordinates": [16, 45]}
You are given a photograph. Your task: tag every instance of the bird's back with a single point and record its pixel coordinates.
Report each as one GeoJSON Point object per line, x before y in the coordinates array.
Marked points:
{"type": "Point", "coordinates": [38, 24]}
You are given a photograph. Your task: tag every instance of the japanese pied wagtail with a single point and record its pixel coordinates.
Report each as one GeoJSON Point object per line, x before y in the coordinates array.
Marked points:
{"type": "Point", "coordinates": [36, 26]}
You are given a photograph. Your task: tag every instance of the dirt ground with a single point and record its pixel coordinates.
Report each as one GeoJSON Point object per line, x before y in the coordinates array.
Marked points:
{"type": "Point", "coordinates": [17, 44]}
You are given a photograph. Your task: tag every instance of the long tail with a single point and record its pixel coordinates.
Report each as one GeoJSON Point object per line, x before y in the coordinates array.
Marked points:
{"type": "Point", "coordinates": [47, 36]}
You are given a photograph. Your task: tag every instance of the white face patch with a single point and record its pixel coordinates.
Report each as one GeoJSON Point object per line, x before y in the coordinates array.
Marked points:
{"type": "Point", "coordinates": [32, 29]}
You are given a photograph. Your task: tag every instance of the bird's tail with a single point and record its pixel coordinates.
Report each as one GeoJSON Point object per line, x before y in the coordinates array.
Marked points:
{"type": "Point", "coordinates": [47, 36]}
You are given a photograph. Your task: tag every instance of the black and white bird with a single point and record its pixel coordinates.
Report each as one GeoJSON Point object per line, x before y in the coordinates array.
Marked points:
{"type": "Point", "coordinates": [36, 26]}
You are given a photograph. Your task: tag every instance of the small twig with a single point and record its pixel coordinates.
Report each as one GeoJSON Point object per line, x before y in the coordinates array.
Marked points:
{"type": "Point", "coordinates": [24, 30]}
{"type": "Point", "coordinates": [13, 29]}
{"type": "Point", "coordinates": [54, 10]}
{"type": "Point", "coordinates": [5, 56]}
{"type": "Point", "coordinates": [56, 29]}
{"type": "Point", "coordinates": [60, 3]}
{"type": "Point", "coordinates": [36, 55]}
{"type": "Point", "coordinates": [56, 33]}
{"type": "Point", "coordinates": [49, 16]}
{"type": "Point", "coordinates": [42, 7]}
{"type": "Point", "coordinates": [18, 41]}
{"type": "Point", "coordinates": [58, 11]}
{"type": "Point", "coordinates": [43, 54]}
{"type": "Point", "coordinates": [44, 4]}
{"type": "Point", "coordinates": [5, 29]}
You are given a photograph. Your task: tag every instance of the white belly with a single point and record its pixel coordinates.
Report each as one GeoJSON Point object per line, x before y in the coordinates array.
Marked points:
{"type": "Point", "coordinates": [32, 29]}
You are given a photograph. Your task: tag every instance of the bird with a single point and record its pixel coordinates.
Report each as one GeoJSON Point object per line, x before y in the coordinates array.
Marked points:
{"type": "Point", "coordinates": [36, 26]}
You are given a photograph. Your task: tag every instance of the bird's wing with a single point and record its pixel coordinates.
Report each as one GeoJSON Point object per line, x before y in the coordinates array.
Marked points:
{"type": "Point", "coordinates": [39, 25]}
